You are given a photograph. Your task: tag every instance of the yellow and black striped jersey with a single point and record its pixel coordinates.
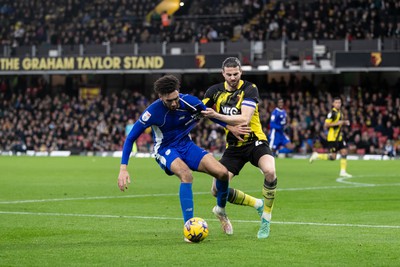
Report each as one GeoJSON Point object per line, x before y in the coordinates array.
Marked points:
{"type": "Point", "coordinates": [334, 133]}
{"type": "Point", "coordinates": [230, 103]}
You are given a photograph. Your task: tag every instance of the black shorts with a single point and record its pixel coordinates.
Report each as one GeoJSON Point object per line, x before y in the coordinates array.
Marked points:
{"type": "Point", "coordinates": [234, 158]}
{"type": "Point", "coordinates": [335, 146]}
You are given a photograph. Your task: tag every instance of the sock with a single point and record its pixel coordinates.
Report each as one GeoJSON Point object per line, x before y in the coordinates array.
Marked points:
{"type": "Point", "coordinates": [343, 164]}
{"type": "Point", "coordinates": [269, 191]}
{"type": "Point", "coordinates": [186, 199]}
{"type": "Point", "coordinates": [222, 193]}
{"type": "Point", "coordinates": [323, 156]}
{"type": "Point", "coordinates": [238, 197]}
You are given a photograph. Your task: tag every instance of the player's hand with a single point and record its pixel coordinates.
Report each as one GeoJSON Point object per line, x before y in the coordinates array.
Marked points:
{"type": "Point", "coordinates": [123, 180]}
{"type": "Point", "coordinates": [209, 113]}
{"type": "Point", "coordinates": [239, 130]}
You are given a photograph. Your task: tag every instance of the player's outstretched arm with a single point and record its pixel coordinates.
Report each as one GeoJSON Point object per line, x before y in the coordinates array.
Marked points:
{"type": "Point", "coordinates": [239, 119]}
{"type": "Point", "coordinates": [123, 178]}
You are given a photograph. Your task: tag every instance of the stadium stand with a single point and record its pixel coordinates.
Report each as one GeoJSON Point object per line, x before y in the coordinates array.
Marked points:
{"type": "Point", "coordinates": [27, 23]}
{"type": "Point", "coordinates": [37, 118]}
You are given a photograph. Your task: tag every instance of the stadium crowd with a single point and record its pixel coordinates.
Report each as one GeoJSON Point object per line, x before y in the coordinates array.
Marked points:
{"type": "Point", "coordinates": [36, 119]}
{"type": "Point", "coordinates": [75, 22]}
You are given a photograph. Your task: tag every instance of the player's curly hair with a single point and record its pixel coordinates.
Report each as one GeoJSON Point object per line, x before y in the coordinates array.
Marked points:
{"type": "Point", "coordinates": [166, 85]}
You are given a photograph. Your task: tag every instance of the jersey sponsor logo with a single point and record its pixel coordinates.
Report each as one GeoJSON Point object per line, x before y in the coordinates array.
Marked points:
{"type": "Point", "coordinates": [146, 116]}
{"type": "Point", "coordinates": [168, 152]}
{"type": "Point", "coordinates": [230, 110]}
{"type": "Point", "coordinates": [181, 117]}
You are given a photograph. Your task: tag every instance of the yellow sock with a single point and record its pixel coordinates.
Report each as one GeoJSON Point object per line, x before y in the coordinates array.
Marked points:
{"type": "Point", "coordinates": [343, 164]}
{"type": "Point", "coordinates": [269, 197]}
{"type": "Point", "coordinates": [238, 197]}
{"type": "Point", "coordinates": [323, 156]}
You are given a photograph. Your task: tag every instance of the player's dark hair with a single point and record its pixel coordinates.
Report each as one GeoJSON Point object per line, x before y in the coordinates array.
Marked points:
{"type": "Point", "coordinates": [337, 98]}
{"type": "Point", "coordinates": [231, 62]}
{"type": "Point", "coordinates": [166, 85]}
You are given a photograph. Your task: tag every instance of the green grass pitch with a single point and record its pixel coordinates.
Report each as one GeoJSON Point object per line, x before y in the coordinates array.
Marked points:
{"type": "Point", "coordinates": [70, 212]}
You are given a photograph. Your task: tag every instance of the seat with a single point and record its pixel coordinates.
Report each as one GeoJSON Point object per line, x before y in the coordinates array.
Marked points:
{"type": "Point", "coordinates": [360, 151]}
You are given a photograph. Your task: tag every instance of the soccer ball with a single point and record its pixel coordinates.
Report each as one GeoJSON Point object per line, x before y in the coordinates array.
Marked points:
{"type": "Point", "coordinates": [195, 229]}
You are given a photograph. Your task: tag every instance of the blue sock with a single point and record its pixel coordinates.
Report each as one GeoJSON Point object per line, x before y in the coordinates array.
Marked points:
{"type": "Point", "coordinates": [222, 193]}
{"type": "Point", "coordinates": [186, 198]}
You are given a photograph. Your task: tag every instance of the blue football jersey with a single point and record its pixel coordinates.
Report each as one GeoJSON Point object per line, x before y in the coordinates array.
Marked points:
{"type": "Point", "coordinates": [170, 128]}
{"type": "Point", "coordinates": [278, 119]}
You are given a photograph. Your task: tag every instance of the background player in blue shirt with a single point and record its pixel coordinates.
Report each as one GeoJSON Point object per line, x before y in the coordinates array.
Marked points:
{"type": "Point", "coordinates": [279, 142]}
{"type": "Point", "coordinates": [171, 118]}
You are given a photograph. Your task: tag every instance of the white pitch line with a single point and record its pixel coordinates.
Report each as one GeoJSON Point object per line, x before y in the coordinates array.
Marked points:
{"type": "Point", "coordinates": [195, 193]}
{"type": "Point", "coordinates": [84, 198]}
{"type": "Point", "coordinates": [343, 180]}
{"type": "Point", "coordinates": [172, 218]}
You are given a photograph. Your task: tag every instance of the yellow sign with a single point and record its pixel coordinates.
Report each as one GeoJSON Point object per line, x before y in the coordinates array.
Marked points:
{"type": "Point", "coordinates": [81, 63]}
{"type": "Point", "coordinates": [376, 59]}
{"type": "Point", "coordinates": [89, 93]}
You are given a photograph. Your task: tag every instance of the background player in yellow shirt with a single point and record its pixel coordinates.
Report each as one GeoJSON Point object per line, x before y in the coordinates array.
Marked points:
{"type": "Point", "coordinates": [334, 122]}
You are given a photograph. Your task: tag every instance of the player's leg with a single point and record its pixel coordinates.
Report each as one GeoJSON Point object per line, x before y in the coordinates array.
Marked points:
{"type": "Point", "coordinates": [325, 156]}
{"type": "Point", "coordinates": [273, 144]}
{"type": "Point", "coordinates": [180, 169]}
{"type": "Point", "coordinates": [238, 197]}
{"type": "Point", "coordinates": [343, 160]}
{"type": "Point", "coordinates": [210, 165]}
{"type": "Point", "coordinates": [234, 158]}
{"type": "Point", "coordinates": [213, 167]}
{"type": "Point", "coordinates": [288, 146]}
{"type": "Point", "coordinates": [171, 162]}
{"type": "Point", "coordinates": [266, 162]}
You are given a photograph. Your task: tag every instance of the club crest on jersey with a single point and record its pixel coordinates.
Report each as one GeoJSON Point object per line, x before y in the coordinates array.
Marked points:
{"type": "Point", "coordinates": [230, 110]}
{"type": "Point", "coordinates": [146, 116]}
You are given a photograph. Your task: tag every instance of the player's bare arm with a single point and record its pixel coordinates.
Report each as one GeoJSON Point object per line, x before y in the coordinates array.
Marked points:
{"type": "Point", "coordinates": [123, 178]}
{"type": "Point", "coordinates": [239, 119]}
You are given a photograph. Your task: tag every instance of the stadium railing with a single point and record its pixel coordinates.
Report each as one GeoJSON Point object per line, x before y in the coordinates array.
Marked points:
{"type": "Point", "coordinates": [269, 48]}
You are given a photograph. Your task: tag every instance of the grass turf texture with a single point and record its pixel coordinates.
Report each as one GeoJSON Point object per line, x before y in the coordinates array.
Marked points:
{"type": "Point", "coordinates": [70, 212]}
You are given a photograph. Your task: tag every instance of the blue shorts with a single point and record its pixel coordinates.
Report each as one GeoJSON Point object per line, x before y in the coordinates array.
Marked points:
{"type": "Point", "coordinates": [190, 153]}
{"type": "Point", "coordinates": [277, 139]}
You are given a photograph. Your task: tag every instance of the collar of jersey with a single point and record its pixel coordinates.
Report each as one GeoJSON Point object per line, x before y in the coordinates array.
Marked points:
{"type": "Point", "coordinates": [241, 82]}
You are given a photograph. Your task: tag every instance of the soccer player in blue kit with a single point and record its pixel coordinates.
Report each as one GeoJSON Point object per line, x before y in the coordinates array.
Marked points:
{"type": "Point", "coordinates": [171, 118]}
{"type": "Point", "coordinates": [277, 136]}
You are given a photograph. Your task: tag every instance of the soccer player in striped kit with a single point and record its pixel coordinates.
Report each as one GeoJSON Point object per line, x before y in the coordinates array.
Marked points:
{"type": "Point", "coordinates": [336, 143]}
{"type": "Point", "coordinates": [236, 101]}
